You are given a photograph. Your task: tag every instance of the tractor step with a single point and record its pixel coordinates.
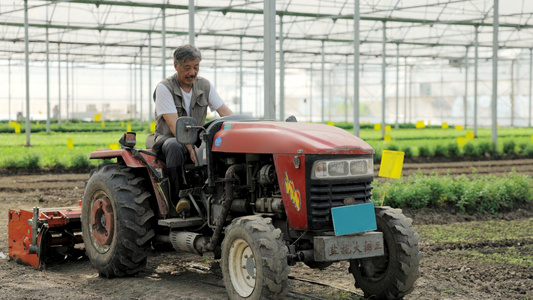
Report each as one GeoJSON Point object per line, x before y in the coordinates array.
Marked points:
{"type": "Point", "coordinates": [180, 222]}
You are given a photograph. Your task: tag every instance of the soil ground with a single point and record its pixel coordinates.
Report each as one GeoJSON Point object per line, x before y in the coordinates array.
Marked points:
{"type": "Point", "coordinates": [172, 275]}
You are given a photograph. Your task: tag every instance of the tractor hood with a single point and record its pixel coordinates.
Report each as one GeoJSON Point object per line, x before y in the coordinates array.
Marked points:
{"type": "Point", "coordinates": [286, 138]}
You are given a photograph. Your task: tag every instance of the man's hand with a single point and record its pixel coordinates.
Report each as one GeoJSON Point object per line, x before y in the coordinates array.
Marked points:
{"type": "Point", "coordinates": [191, 152]}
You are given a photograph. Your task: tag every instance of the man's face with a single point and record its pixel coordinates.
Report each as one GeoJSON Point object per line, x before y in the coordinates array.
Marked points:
{"type": "Point", "coordinates": [187, 71]}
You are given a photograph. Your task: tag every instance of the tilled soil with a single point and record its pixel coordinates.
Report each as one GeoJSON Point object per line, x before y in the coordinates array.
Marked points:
{"type": "Point", "coordinates": [447, 270]}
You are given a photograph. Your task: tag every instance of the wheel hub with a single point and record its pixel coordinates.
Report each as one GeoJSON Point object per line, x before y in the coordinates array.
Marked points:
{"type": "Point", "coordinates": [242, 268]}
{"type": "Point", "coordinates": [102, 221]}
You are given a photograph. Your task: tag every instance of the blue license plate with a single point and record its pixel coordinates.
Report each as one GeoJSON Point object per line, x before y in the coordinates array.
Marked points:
{"type": "Point", "coordinates": [354, 218]}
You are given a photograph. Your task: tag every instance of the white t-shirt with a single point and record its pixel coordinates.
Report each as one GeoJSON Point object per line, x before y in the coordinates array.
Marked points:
{"type": "Point", "coordinates": [165, 100]}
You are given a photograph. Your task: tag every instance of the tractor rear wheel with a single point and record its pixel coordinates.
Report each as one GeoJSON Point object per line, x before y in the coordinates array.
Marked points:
{"type": "Point", "coordinates": [254, 260]}
{"type": "Point", "coordinates": [393, 275]}
{"type": "Point", "coordinates": [116, 221]}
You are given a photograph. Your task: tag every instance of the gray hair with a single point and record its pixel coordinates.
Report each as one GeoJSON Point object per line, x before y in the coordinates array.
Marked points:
{"type": "Point", "coordinates": [186, 52]}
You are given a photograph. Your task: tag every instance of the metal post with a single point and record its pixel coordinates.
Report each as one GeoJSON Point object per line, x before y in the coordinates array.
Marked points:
{"type": "Point", "coordinates": [397, 85]}
{"type": "Point", "coordinates": [191, 22]}
{"type": "Point", "coordinates": [72, 87]}
{"type": "Point", "coordinates": [27, 58]}
{"type": "Point", "coordinates": [59, 84]}
{"type": "Point", "coordinates": [323, 108]}
{"type": "Point", "coordinates": [240, 76]}
{"type": "Point", "coordinates": [68, 89]}
{"type": "Point", "coordinates": [149, 79]}
{"type": "Point", "coordinates": [257, 109]}
{"type": "Point", "coordinates": [141, 89]}
{"type": "Point", "coordinates": [281, 72]}
{"type": "Point", "coordinates": [405, 91]}
{"type": "Point", "coordinates": [311, 92]}
{"type": "Point", "coordinates": [269, 17]}
{"type": "Point", "coordinates": [356, 43]}
{"type": "Point", "coordinates": [476, 44]}
{"type": "Point", "coordinates": [9, 87]}
{"type": "Point", "coordinates": [163, 46]}
{"type": "Point", "coordinates": [135, 88]}
{"type": "Point", "coordinates": [215, 68]}
{"type": "Point", "coordinates": [383, 79]}
{"type": "Point", "coordinates": [466, 87]}
{"type": "Point", "coordinates": [530, 80]}
{"type": "Point", "coordinates": [512, 92]}
{"type": "Point", "coordinates": [346, 91]}
{"type": "Point", "coordinates": [47, 77]}
{"type": "Point", "coordinates": [411, 94]}
{"type": "Point", "coordinates": [495, 25]}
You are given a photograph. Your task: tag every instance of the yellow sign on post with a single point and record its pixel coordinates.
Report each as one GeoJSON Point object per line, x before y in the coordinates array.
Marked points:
{"type": "Point", "coordinates": [445, 125]}
{"type": "Point", "coordinates": [459, 127]}
{"type": "Point", "coordinates": [97, 117]}
{"type": "Point", "coordinates": [152, 126]}
{"type": "Point", "coordinates": [420, 124]}
{"type": "Point", "coordinates": [128, 128]}
{"type": "Point", "coordinates": [17, 128]}
{"type": "Point", "coordinates": [330, 123]}
{"type": "Point", "coordinates": [470, 135]}
{"type": "Point", "coordinates": [377, 126]}
{"type": "Point", "coordinates": [391, 164]}
{"type": "Point", "coordinates": [114, 146]}
{"type": "Point", "coordinates": [388, 128]}
{"type": "Point", "coordinates": [387, 138]}
{"type": "Point", "coordinates": [461, 141]}
{"type": "Point", "coordinates": [103, 123]}
{"type": "Point", "coordinates": [70, 144]}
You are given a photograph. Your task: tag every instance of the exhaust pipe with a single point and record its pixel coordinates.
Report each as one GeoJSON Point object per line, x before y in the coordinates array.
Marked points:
{"type": "Point", "coordinates": [187, 241]}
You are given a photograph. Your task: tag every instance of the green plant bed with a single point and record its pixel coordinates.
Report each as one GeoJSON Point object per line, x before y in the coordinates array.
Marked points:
{"type": "Point", "coordinates": [478, 194]}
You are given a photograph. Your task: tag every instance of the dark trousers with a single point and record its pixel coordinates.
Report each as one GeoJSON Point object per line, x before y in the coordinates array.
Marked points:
{"type": "Point", "coordinates": [175, 153]}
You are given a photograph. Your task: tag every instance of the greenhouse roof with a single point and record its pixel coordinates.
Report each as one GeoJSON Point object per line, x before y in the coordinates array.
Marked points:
{"type": "Point", "coordinates": [115, 31]}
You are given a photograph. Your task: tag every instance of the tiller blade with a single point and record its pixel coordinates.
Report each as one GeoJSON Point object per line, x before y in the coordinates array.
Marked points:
{"type": "Point", "coordinates": [44, 237]}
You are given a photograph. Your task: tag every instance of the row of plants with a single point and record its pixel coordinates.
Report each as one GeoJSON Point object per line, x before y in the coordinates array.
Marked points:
{"type": "Point", "coordinates": [476, 194]}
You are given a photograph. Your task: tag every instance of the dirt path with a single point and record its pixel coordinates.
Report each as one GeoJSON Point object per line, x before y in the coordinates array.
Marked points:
{"type": "Point", "coordinates": [446, 272]}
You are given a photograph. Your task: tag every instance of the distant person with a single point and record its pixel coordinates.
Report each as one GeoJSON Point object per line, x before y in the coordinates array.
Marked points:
{"type": "Point", "coordinates": [182, 94]}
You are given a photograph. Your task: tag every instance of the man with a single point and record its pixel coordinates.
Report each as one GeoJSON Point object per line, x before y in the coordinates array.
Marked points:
{"type": "Point", "coordinates": [182, 94]}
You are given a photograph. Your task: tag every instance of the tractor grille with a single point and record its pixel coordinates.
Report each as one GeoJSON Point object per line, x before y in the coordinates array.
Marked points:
{"type": "Point", "coordinates": [327, 194]}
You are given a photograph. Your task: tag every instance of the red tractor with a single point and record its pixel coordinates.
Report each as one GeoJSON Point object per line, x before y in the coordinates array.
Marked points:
{"type": "Point", "coordinates": [262, 196]}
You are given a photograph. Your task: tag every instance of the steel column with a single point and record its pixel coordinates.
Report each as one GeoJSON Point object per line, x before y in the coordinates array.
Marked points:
{"type": "Point", "coordinates": [530, 80]}
{"type": "Point", "coordinates": [47, 79]}
{"type": "Point", "coordinates": [405, 91]}
{"type": "Point", "coordinates": [512, 92]}
{"type": "Point", "coordinates": [240, 76]}
{"type": "Point", "coordinates": [323, 108]}
{"type": "Point", "coordinates": [476, 63]}
{"type": "Point", "coordinates": [150, 79]}
{"type": "Point", "coordinates": [466, 87]}
{"type": "Point", "coordinates": [9, 88]}
{"type": "Point", "coordinates": [383, 78]}
{"type": "Point", "coordinates": [68, 89]}
{"type": "Point", "coordinates": [495, 74]}
{"type": "Point", "coordinates": [163, 46]}
{"type": "Point", "coordinates": [397, 85]}
{"type": "Point", "coordinates": [311, 92]}
{"type": "Point", "coordinates": [191, 22]}
{"type": "Point", "coordinates": [27, 64]}
{"type": "Point", "coordinates": [281, 72]}
{"type": "Point", "coordinates": [141, 89]}
{"type": "Point", "coordinates": [269, 16]}
{"type": "Point", "coordinates": [346, 91]}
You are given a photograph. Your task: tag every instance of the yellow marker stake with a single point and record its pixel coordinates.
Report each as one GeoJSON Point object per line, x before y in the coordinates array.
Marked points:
{"type": "Point", "coordinates": [331, 123]}
{"type": "Point", "coordinates": [388, 128]}
{"type": "Point", "coordinates": [122, 124]}
{"type": "Point", "coordinates": [17, 128]}
{"type": "Point", "coordinates": [152, 126]}
{"type": "Point", "coordinates": [128, 128]}
{"type": "Point", "coordinates": [103, 123]}
{"type": "Point", "coordinates": [458, 127]}
{"type": "Point", "coordinates": [420, 124]}
{"type": "Point", "coordinates": [97, 117]}
{"type": "Point", "coordinates": [114, 146]}
{"type": "Point", "coordinates": [70, 144]}
{"type": "Point", "coordinates": [377, 126]}
{"type": "Point", "coordinates": [461, 141]}
{"type": "Point", "coordinates": [387, 138]}
{"type": "Point", "coordinates": [470, 135]}
{"type": "Point", "coordinates": [445, 125]}
{"type": "Point", "coordinates": [390, 167]}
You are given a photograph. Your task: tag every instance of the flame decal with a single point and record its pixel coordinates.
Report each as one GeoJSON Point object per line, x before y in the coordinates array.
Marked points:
{"type": "Point", "coordinates": [293, 193]}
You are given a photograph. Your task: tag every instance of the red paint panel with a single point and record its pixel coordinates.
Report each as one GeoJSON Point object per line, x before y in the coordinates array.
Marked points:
{"type": "Point", "coordinates": [287, 137]}
{"type": "Point", "coordinates": [19, 235]}
{"type": "Point", "coordinates": [292, 185]}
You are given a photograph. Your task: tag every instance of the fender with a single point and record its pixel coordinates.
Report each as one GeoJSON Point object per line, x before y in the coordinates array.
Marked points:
{"type": "Point", "coordinates": [287, 138]}
{"type": "Point", "coordinates": [130, 161]}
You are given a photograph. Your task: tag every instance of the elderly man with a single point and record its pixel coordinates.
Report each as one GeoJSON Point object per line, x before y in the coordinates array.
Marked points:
{"type": "Point", "coordinates": [182, 94]}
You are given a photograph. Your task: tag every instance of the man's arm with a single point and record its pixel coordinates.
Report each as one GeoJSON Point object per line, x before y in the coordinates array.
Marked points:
{"type": "Point", "coordinates": [171, 121]}
{"type": "Point", "coordinates": [224, 111]}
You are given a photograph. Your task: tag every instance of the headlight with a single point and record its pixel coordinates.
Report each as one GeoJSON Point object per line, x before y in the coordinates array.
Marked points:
{"type": "Point", "coordinates": [324, 169]}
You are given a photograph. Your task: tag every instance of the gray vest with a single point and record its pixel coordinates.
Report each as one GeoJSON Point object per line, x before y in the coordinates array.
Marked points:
{"type": "Point", "coordinates": [198, 107]}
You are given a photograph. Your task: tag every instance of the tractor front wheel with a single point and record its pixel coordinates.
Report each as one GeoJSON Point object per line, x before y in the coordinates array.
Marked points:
{"type": "Point", "coordinates": [254, 260]}
{"type": "Point", "coordinates": [393, 275]}
{"type": "Point", "coordinates": [116, 221]}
